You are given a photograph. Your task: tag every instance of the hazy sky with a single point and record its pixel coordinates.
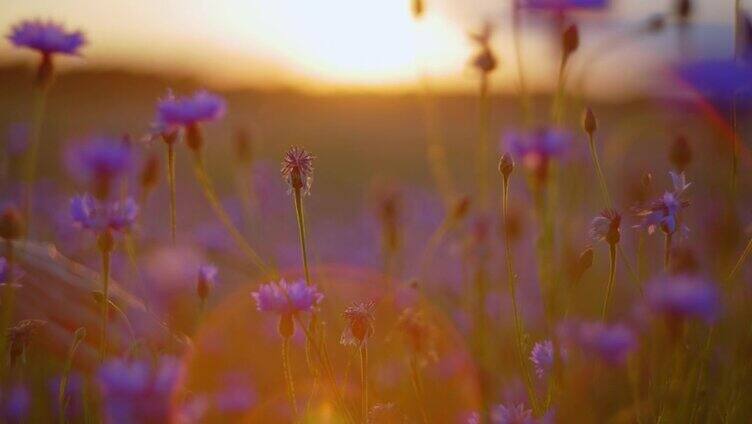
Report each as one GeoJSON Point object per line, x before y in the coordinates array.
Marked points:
{"type": "Point", "coordinates": [319, 44]}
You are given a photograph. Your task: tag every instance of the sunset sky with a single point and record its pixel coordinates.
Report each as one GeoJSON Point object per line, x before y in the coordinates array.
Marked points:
{"type": "Point", "coordinates": [349, 44]}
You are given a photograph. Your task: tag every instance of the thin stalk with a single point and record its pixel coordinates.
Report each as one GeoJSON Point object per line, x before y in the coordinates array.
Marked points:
{"type": "Point", "coordinates": [418, 388]}
{"type": "Point", "coordinates": [482, 149]}
{"type": "Point", "coordinates": [8, 294]}
{"type": "Point", "coordinates": [558, 107]}
{"type": "Point", "coordinates": [433, 243]}
{"type": "Point", "coordinates": [300, 216]}
{"type": "Point", "coordinates": [518, 325]}
{"type": "Point", "coordinates": [105, 304]}
{"type": "Point", "coordinates": [171, 183]}
{"type": "Point", "coordinates": [734, 146]}
{"type": "Point", "coordinates": [611, 278]}
{"type": "Point", "coordinates": [741, 260]}
{"type": "Point", "coordinates": [288, 377]}
{"type": "Point", "coordinates": [224, 218]}
{"type": "Point", "coordinates": [364, 382]}
{"type": "Point", "coordinates": [62, 400]}
{"type": "Point", "coordinates": [40, 103]}
{"type": "Point", "coordinates": [667, 252]}
{"type": "Point", "coordinates": [517, 42]}
{"type": "Point", "coordinates": [599, 172]}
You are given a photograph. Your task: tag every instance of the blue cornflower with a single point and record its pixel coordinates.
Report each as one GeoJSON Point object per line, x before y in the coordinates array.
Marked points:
{"type": "Point", "coordinates": [134, 392]}
{"type": "Point", "coordinates": [286, 298]}
{"type": "Point", "coordinates": [99, 161]}
{"type": "Point", "coordinates": [187, 111]}
{"type": "Point", "coordinates": [91, 214]}
{"type": "Point", "coordinates": [542, 356]}
{"type": "Point", "coordinates": [514, 414]}
{"type": "Point", "coordinates": [537, 148]}
{"type": "Point", "coordinates": [564, 5]}
{"type": "Point", "coordinates": [664, 213]}
{"type": "Point", "coordinates": [683, 296]}
{"type": "Point", "coordinates": [207, 278]}
{"type": "Point", "coordinates": [46, 37]}
{"type": "Point", "coordinates": [610, 343]}
{"type": "Point", "coordinates": [718, 79]}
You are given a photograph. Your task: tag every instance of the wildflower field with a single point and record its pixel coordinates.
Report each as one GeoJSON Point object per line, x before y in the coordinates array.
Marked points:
{"type": "Point", "coordinates": [522, 241]}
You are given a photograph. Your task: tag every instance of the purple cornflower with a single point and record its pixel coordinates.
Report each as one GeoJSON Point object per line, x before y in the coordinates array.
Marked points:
{"type": "Point", "coordinates": [683, 296]}
{"type": "Point", "coordinates": [606, 227]}
{"type": "Point", "coordinates": [542, 356]}
{"type": "Point", "coordinates": [286, 298]}
{"type": "Point", "coordinates": [360, 317]}
{"type": "Point", "coordinates": [722, 79]}
{"type": "Point", "coordinates": [100, 161]}
{"type": "Point", "coordinates": [564, 5]}
{"type": "Point", "coordinates": [138, 391]}
{"type": "Point", "coordinates": [207, 278]}
{"type": "Point", "coordinates": [297, 169]}
{"type": "Point", "coordinates": [610, 343]}
{"type": "Point", "coordinates": [536, 149]}
{"type": "Point", "coordinates": [46, 37]}
{"type": "Point", "coordinates": [91, 214]}
{"type": "Point", "coordinates": [187, 111]}
{"type": "Point", "coordinates": [664, 212]}
{"type": "Point", "coordinates": [515, 414]}
{"type": "Point", "coordinates": [15, 404]}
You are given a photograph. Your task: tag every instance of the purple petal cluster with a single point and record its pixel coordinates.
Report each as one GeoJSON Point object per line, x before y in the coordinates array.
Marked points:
{"type": "Point", "coordinates": [189, 110]}
{"type": "Point", "coordinates": [542, 356]}
{"type": "Point", "coordinates": [535, 149]}
{"type": "Point", "coordinates": [91, 214]}
{"type": "Point", "coordinates": [100, 158]}
{"type": "Point", "coordinates": [297, 168]}
{"type": "Point", "coordinates": [16, 402]}
{"type": "Point", "coordinates": [138, 392]}
{"type": "Point", "coordinates": [514, 414]}
{"type": "Point", "coordinates": [717, 79]}
{"type": "Point", "coordinates": [684, 297]}
{"type": "Point", "coordinates": [664, 213]}
{"type": "Point", "coordinates": [564, 5]}
{"type": "Point", "coordinates": [287, 298]}
{"type": "Point", "coordinates": [46, 37]}
{"type": "Point", "coordinates": [610, 343]}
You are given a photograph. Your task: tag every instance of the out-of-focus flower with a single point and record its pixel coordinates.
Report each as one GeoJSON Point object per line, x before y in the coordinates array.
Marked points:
{"type": "Point", "coordinates": [385, 413]}
{"type": "Point", "coordinates": [235, 396]}
{"type": "Point", "coordinates": [16, 402]}
{"type": "Point", "coordinates": [419, 335]}
{"type": "Point", "coordinates": [513, 414]}
{"type": "Point", "coordinates": [12, 225]}
{"type": "Point", "coordinates": [664, 213]}
{"type": "Point", "coordinates": [100, 161]}
{"type": "Point", "coordinates": [46, 37]}
{"type": "Point", "coordinates": [186, 111]}
{"type": "Point", "coordinates": [542, 356]}
{"type": "Point", "coordinates": [606, 227]}
{"type": "Point", "coordinates": [91, 214]}
{"type": "Point", "coordinates": [17, 139]}
{"type": "Point", "coordinates": [137, 392]}
{"type": "Point", "coordinates": [297, 169]}
{"type": "Point", "coordinates": [680, 153]}
{"type": "Point", "coordinates": [484, 59]}
{"type": "Point", "coordinates": [536, 149]}
{"type": "Point", "coordinates": [610, 343]}
{"type": "Point", "coordinates": [564, 5]}
{"type": "Point", "coordinates": [683, 296]}
{"type": "Point", "coordinates": [20, 335]}
{"type": "Point", "coordinates": [359, 329]}
{"type": "Point", "coordinates": [207, 278]}
{"type": "Point", "coordinates": [720, 80]}
{"type": "Point", "coordinates": [286, 298]}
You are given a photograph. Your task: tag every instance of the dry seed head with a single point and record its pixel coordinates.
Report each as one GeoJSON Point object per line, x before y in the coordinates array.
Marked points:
{"type": "Point", "coordinates": [589, 122]}
{"type": "Point", "coordinates": [11, 223]}
{"type": "Point", "coordinates": [506, 165]}
{"type": "Point", "coordinates": [570, 40]}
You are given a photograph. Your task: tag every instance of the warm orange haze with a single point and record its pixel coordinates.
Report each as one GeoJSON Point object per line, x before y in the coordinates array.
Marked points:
{"type": "Point", "coordinates": [375, 211]}
{"type": "Point", "coordinates": [355, 45]}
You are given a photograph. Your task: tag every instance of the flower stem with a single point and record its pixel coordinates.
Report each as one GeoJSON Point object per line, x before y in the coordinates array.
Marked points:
{"type": "Point", "coordinates": [300, 216]}
{"type": "Point", "coordinates": [62, 400]}
{"type": "Point", "coordinates": [364, 382]}
{"type": "Point", "coordinates": [224, 218]}
{"type": "Point", "coordinates": [171, 182]}
{"type": "Point", "coordinates": [40, 103]}
{"type": "Point", "coordinates": [288, 377]}
{"type": "Point", "coordinates": [105, 303]}
{"type": "Point", "coordinates": [8, 294]}
{"type": "Point", "coordinates": [482, 149]}
{"type": "Point", "coordinates": [418, 388]}
{"type": "Point", "coordinates": [611, 278]}
{"type": "Point", "coordinates": [517, 41]}
{"type": "Point", "coordinates": [599, 172]}
{"type": "Point", "coordinates": [741, 260]}
{"type": "Point", "coordinates": [518, 324]}
{"type": "Point", "coordinates": [667, 252]}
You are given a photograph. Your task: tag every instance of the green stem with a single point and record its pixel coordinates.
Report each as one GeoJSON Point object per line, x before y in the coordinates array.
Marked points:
{"type": "Point", "coordinates": [105, 304]}
{"type": "Point", "coordinates": [288, 377]}
{"type": "Point", "coordinates": [558, 107]}
{"type": "Point", "coordinates": [171, 182]}
{"type": "Point", "coordinates": [482, 149]}
{"type": "Point", "coordinates": [741, 260]}
{"type": "Point", "coordinates": [667, 252]}
{"type": "Point", "coordinates": [511, 279]}
{"type": "Point", "coordinates": [62, 400]}
{"type": "Point", "coordinates": [611, 278]}
{"type": "Point", "coordinates": [517, 41]}
{"type": "Point", "coordinates": [40, 103]}
{"type": "Point", "coordinates": [299, 214]}
{"type": "Point", "coordinates": [599, 172]}
{"type": "Point", "coordinates": [224, 218]}
{"type": "Point", "coordinates": [364, 382]}
{"type": "Point", "coordinates": [8, 296]}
